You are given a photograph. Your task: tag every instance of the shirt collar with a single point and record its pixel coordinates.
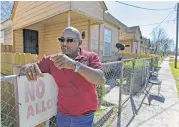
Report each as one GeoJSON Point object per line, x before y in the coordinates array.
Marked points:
{"type": "Point", "coordinates": [81, 54]}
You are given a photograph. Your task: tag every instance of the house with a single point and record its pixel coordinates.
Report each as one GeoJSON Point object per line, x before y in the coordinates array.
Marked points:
{"type": "Point", "coordinates": [108, 37]}
{"type": "Point", "coordinates": [37, 25]}
{"type": "Point", "coordinates": [145, 45]}
{"type": "Point", "coordinates": [131, 38]}
{"type": "Point", "coordinates": [6, 36]}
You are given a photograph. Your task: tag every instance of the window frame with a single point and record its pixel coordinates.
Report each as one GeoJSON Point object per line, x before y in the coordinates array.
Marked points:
{"type": "Point", "coordinates": [107, 42]}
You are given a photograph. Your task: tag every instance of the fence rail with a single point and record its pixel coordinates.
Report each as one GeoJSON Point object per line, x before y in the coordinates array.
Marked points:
{"type": "Point", "coordinates": [124, 80]}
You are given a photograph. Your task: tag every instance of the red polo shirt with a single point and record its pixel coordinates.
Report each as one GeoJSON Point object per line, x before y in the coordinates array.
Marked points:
{"type": "Point", "coordinates": [75, 94]}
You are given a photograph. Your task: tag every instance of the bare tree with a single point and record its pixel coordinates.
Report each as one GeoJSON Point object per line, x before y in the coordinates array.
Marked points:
{"type": "Point", "coordinates": [163, 44]}
{"type": "Point", "coordinates": [167, 47]}
{"type": "Point", "coordinates": [6, 9]}
{"type": "Point", "coordinates": [159, 35]}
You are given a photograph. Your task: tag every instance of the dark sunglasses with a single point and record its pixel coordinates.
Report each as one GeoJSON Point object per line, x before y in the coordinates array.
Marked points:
{"type": "Point", "coordinates": [68, 40]}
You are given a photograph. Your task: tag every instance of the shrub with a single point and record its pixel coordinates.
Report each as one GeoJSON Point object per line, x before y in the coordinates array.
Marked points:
{"type": "Point", "coordinates": [101, 90]}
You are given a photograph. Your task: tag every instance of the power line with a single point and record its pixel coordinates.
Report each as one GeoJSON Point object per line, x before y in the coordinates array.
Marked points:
{"type": "Point", "coordinates": [151, 9]}
{"type": "Point", "coordinates": [150, 24]}
{"type": "Point", "coordinates": [169, 19]}
{"type": "Point", "coordinates": [160, 23]}
{"type": "Point", "coordinates": [156, 23]}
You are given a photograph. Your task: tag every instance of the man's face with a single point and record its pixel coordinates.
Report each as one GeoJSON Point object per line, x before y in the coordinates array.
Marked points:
{"type": "Point", "coordinates": [69, 42]}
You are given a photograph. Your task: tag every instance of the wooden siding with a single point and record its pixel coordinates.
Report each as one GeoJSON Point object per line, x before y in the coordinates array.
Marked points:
{"type": "Point", "coordinates": [48, 36]}
{"type": "Point", "coordinates": [90, 9]}
{"type": "Point", "coordinates": [115, 37]}
{"type": "Point", "coordinates": [18, 40]}
{"type": "Point", "coordinates": [127, 49]}
{"type": "Point", "coordinates": [53, 32]}
{"type": "Point", "coordinates": [30, 12]}
{"type": "Point", "coordinates": [18, 37]}
{"type": "Point", "coordinates": [94, 39]}
{"type": "Point", "coordinates": [126, 35]}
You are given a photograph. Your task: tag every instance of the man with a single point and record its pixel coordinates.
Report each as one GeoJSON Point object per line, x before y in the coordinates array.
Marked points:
{"type": "Point", "coordinates": [76, 72]}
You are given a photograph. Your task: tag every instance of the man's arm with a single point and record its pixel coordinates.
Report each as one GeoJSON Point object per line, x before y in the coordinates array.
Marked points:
{"type": "Point", "coordinates": [94, 76]}
{"type": "Point", "coordinates": [92, 73]}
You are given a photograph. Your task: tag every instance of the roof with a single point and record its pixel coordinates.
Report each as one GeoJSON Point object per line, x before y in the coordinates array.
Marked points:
{"type": "Point", "coordinates": [133, 29]}
{"type": "Point", "coordinates": [13, 10]}
{"type": "Point", "coordinates": [103, 5]}
{"type": "Point", "coordinates": [111, 19]}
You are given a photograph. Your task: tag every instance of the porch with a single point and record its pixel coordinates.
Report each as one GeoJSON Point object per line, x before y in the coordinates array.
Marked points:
{"type": "Point", "coordinates": [42, 37]}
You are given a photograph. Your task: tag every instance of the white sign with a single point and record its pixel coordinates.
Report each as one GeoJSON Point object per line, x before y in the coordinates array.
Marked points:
{"type": "Point", "coordinates": [37, 100]}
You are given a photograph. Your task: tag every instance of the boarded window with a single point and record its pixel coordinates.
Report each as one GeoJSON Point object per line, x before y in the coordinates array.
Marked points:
{"type": "Point", "coordinates": [107, 42]}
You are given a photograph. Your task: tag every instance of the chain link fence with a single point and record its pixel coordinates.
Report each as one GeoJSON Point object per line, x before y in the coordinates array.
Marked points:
{"type": "Point", "coordinates": [120, 97]}
{"type": "Point", "coordinates": [9, 106]}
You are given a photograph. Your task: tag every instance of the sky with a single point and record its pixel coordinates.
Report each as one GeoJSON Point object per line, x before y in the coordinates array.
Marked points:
{"type": "Point", "coordinates": [131, 16]}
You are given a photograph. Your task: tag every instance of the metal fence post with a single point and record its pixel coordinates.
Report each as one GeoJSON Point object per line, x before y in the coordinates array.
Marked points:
{"type": "Point", "coordinates": [132, 76]}
{"type": "Point", "coordinates": [120, 91]}
{"type": "Point", "coordinates": [142, 72]}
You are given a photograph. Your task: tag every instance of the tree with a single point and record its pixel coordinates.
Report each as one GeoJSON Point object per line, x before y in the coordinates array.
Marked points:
{"type": "Point", "coordinates": [163, 44]}
{"type": "Point", "coordinates": [168, 47]}
{"type": "Point", "coordinates": [6, 9]}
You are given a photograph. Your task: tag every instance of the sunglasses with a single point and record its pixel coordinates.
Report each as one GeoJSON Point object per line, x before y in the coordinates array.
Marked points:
{"type": "Point", "coordinates": [68, 40]}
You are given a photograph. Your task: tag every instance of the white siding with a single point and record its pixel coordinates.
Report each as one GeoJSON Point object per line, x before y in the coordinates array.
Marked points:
{"type": "Point", "coordinates": [6, 33]}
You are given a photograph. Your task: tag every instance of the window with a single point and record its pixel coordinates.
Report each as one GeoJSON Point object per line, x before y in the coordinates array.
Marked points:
{"type": "Point", "coordinates": [107, 42]}
{"type": "Point", "coordinates": [2, 36]}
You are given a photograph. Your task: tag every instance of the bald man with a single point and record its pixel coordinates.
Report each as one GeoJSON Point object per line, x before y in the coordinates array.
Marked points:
{"type": "Point", "coordinates": [76, 72]}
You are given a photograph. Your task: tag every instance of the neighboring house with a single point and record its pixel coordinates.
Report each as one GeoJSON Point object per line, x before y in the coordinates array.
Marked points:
{"type": "Point", "coordinates": [145, 45]}
{"type": "Point", "coordinates": [131, 38]}
{"type": "Point", "coordinates": [108, 37]}
{"type": "Point", "coordinates": [37, 25]}
{"type": "Point", "coordinates": [6, 36]}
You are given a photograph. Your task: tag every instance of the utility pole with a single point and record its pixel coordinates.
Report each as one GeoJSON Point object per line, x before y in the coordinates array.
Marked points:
{"type": "Point", "coordinates": [176, 52]}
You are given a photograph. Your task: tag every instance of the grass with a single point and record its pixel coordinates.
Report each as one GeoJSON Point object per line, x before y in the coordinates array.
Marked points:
{"type": "Point", "coordinates": [98, 113]}
{"type": "Point", "coordinates": [175, 72]}
{"type": "Point", "coordinates": [173, 60]}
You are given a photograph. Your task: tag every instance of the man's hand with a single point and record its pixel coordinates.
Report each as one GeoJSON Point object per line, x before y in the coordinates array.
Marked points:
{"type": "Point", "coordinates": [63, 61]}
{"type": "Point", "coordinates": [31, 71]}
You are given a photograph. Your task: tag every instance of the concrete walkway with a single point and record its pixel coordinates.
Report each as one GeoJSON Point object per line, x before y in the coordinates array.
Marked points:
{"type": "Point", "coordinates": [159, 114]}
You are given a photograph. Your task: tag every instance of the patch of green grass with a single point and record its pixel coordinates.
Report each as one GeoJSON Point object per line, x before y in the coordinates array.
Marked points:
{"type": "Point", "coordinates": [173, 60]}
{"type": "Point", "coordinates": [175, 72]}
{"type": "Point", "coordinates": [98, 113]}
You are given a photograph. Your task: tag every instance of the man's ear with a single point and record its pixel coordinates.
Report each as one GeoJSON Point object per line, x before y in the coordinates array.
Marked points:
{"type": "Point", "coordinates": [80, 42]}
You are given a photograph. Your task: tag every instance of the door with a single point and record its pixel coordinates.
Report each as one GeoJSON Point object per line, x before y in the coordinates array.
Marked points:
{"type": "Point", "coordinates": [30, 40]}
